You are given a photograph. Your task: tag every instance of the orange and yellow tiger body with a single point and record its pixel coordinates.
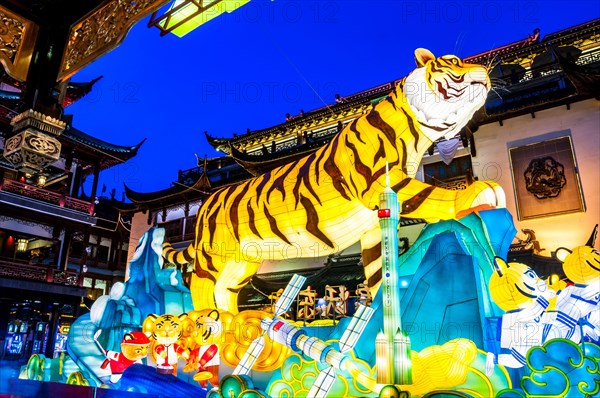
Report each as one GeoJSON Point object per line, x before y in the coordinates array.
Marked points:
{"type": "Point", "coordinates": [325, 202]}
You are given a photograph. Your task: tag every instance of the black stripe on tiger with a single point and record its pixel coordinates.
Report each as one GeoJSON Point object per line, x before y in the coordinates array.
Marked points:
{"type": "Point", "coordinates": [241, 285]}
{"type": "Point", "coordinates": [319, 162]}
{"type": "Point", "coordinates": [171, 255]}
{"type": "Point", "coordinates": [265, 178]}
{"type": "Point", "coordinates": [205, 274]}
{"type": "Point", "coordinates": [413, 203]}
{"type": "Point", "coordinates": [278, 183]}
{"type": "Point", "coordinates": [401, 184]}
{"type": "Point", "coordinates": [209, 262]}
{"type": "Point", "coordinates": [233, 211]}
{"type": "Point", "coordinates": [187, 256]}
{"type": "Point", "coordinates": [212, 224]}
{"type": "Point", "coordinates": [251, 221]}
{"type": "Point", "coordinates": [199, 231]}
{"type": "Point", "coordinates": [334, 172]}
{"type": "Point", "coordinates": [411, 127]}
{"type": "Point", "coordinates": [312, 221]}
{"type": "Point", "coordinates": [381, 172]}
{"type": "Point", "coordinates": [360, 167]}
{"type": "Point", "coordinates": [212, 219]}
{"type": "Point", "coordinates": [355, 131]}
{"type": "Point", "coordinates": [376, 121]}
{"type": "Point", "coordinates": [391, 101]}
{"type": "Point", "coordinates": [404, 156]}
{"type": "Point", "coordinates": [304, 178]}
{"type": "Point", "coordinates": [274, 227]}
{"type": "Point", "coordinates": [371, 254]}
{"type": "Point", "coordinates": [375, 278]}
{"type": "Point", "coordinates": [354, 186]}
{"type": "Point", "coordinates": [380, 154]}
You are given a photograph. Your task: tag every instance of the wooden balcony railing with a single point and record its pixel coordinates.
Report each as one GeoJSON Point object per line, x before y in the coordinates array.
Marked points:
{"type": "Point", "coordinates": [47, 196]}
{"type": "Point", "coordinates": [9, 269]}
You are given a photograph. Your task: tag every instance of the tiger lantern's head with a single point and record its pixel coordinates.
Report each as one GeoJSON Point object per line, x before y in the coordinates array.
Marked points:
{"type": "Point", "coordinates": [164, 329]}
{"type": "Point", "coordinates": [582, 265]}
{"type": "Point", "coordinates": [205, 326]}
{"type": "Point", "coordinates": [444, 93]}
{"type": "Point", "coordinates": [135, 345]}
{"type": "Point", "coordinates": [514, 286]}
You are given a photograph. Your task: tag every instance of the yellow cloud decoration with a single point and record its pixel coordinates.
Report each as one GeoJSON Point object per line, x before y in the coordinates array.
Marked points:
{"type": "Point", "coordinates": [442, 366]}
{"type": "Point", "coordinates": [78, 379]}
{"type": "Point", "coordinates": [457, 365]}
{"type": "Point", "coordinates": [240, 332]}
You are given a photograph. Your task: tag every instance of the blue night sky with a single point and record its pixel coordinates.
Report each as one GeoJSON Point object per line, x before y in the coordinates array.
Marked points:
{"type": "Point", "coordinates": [249, 68]}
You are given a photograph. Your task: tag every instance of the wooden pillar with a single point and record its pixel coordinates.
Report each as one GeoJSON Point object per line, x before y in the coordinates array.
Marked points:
{"type": "Point", "coordinates": [84, 254]}
{"type": "Point", "coordinates": [77, 180]}
{"type": "Point", "coordinates": [56, 244]}
{"type": "Point", "coordinates": [66, 237]}
{"type": "Point", "coordinates": [116, 253]}
{"type": "Point", "coordinates": [69, 171]}
{"type": "Point", "coordinates": [186, 214]}
{"type": "Point", "coordinates": [95, 182]}
{"type": "Point", "coordinates": [53, 325]}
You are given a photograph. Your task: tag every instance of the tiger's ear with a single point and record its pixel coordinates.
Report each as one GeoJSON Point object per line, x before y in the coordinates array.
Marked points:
{"type": "Point", "coordinates": [500, 265]}
{"type": "Point", "coordinates": [182, 316]}
{"type": "Point", "coordinates": [561, 254]}
{"type": "Point", "coordinates": [214, 314]}
{"type": "Point", "coordinates": [423, 55]}
{"type": "Point", "coordinates": [148, 324]}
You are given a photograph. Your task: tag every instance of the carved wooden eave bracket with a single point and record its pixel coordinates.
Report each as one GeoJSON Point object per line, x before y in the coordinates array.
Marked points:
{"type": "Point", "coordinates": [17, 41]}
{"type": "Point", "coordinates": [101, 31]}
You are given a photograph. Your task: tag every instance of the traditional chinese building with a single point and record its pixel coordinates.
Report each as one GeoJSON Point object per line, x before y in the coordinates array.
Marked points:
{"type": "Point", "coordinates": [58, 242]}
{"type": "Point", "coordinates": [541, 121]}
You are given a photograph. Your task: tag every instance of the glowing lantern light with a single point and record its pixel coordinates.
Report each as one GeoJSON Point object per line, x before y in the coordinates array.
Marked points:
{"type": "Point", "coordinates": [186, 15]}
{"type": "Point", "coordinates": [41, 180]}
{"type": "Point", "coordinates": [22, 245]}
{"type": "Point", "coordinates": [383, 213]}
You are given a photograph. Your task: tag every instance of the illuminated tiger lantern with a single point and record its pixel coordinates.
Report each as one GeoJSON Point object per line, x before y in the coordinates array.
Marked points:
{"type": "Point", "coordinates": [582, 264]}
{"type": "Point", "coordinates": [577, 305]}
{"type": "Point", "coordinates": [325, 202]}
{"type": "Point", "coordinates": [518, 290]}
{"type": "Point", "coordinates": [205, 331]}
{"type": "Point", "coordinates": [165, 332]}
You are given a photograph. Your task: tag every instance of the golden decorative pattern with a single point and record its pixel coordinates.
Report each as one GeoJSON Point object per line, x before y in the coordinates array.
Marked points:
{"type": "Point", "coordinates": [102, 31]}
{"type": "Point", "coordinates": [454, 184]}
{"type": "Point", "coordinates": [31, 150]}
{"type": "Point", "coordinates": [17, 39]}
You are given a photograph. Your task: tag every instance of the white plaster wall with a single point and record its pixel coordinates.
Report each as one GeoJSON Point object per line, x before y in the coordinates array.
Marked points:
{"type": "Point", "coordinates": [492, 163]}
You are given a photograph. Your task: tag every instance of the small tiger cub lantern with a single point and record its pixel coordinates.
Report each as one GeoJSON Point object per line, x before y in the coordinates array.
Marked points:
{"type": "Point", "coordinates": [134, 347]}
{"type": "Point", "coordinates": [165, 332]}
{"type": "Point", "coordinates": [205, 330]}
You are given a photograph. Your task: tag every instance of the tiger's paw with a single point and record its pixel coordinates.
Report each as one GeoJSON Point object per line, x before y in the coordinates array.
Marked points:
{"type": "Point", "coordinates": [481, 195]}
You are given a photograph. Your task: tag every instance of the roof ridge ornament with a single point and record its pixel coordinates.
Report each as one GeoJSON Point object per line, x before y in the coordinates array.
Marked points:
{"type": "Point", "coordinates": [38, 121]}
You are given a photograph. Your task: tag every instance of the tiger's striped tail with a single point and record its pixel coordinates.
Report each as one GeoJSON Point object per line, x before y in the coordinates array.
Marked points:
{"type": "Point", "coordinates": [179, 258]}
